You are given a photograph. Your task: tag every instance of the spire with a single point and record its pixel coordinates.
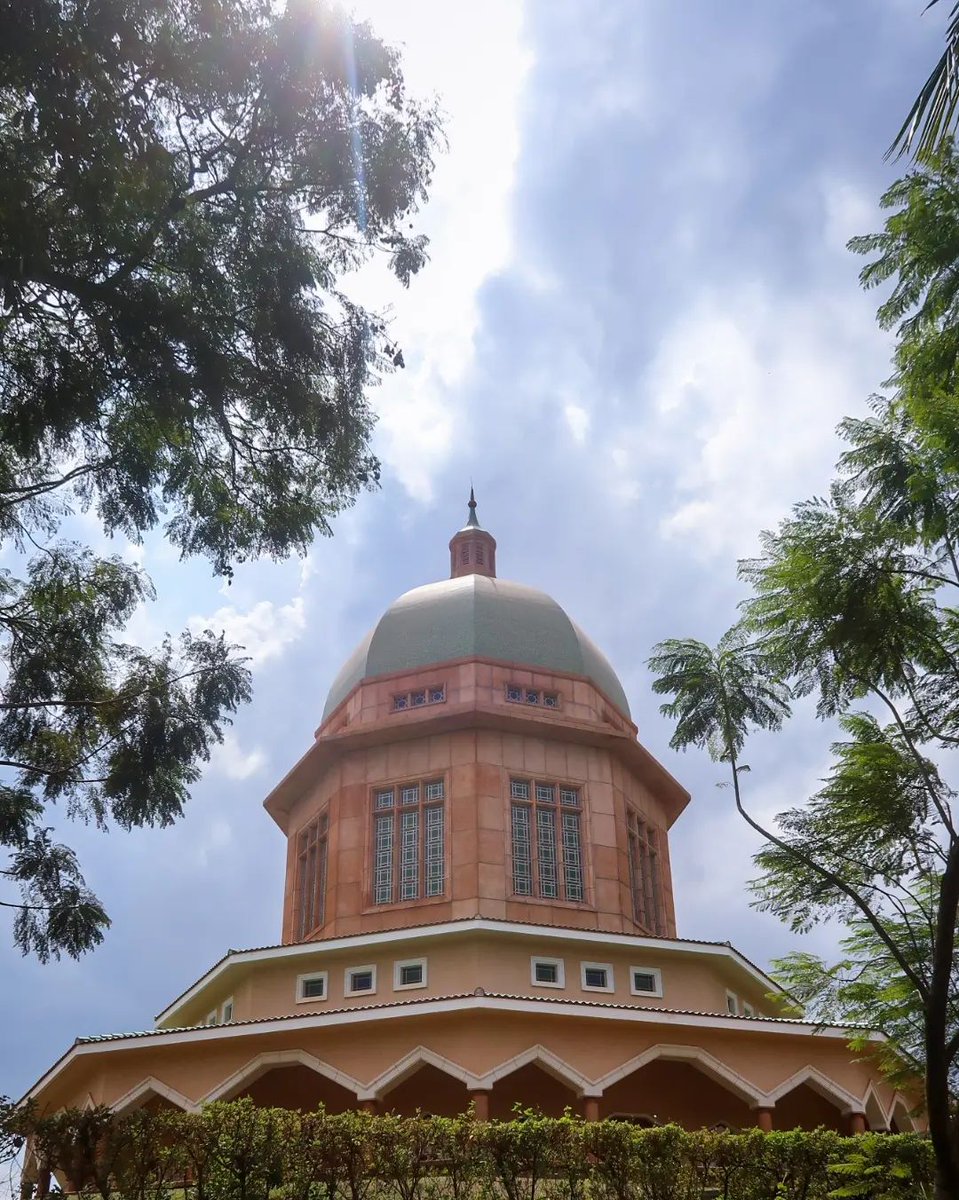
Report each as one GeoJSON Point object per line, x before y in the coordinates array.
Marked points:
{"type": "Point", "coordinates": [472, 549]}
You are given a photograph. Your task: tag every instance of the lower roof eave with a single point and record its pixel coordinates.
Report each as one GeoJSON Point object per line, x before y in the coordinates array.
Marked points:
{"type": "Point", "coordinates": [490, 1002]}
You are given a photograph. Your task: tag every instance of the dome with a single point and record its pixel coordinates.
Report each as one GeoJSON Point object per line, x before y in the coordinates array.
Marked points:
{"type": "Point", "coordinates": [476, 616]}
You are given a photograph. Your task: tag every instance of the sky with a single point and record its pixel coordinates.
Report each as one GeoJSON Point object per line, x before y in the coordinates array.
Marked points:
{"type": "Point", "coordinates": [637, 333]}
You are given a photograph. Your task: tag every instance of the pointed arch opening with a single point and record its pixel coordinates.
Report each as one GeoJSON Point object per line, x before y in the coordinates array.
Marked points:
{"type": "Point", "coordinates": [289, 1079]}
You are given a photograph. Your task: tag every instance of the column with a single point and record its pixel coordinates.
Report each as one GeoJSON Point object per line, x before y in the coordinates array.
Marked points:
{"type": "Point", "coordinates": [370, 1106]}
{"type": "Point", "coordinates": [764, 1119]}
{"type": "Point", "coordinates": [591, 1108]}
{"type": "Point", "coordinates": [857, 1123]}
{"type": "Point", "coordinates": [480, 1100]}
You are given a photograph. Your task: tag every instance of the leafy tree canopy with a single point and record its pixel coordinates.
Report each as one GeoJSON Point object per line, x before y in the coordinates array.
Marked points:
{"type": "Point", "coordinates": [854, 600]}
{"type": "Point", "coordinates": [183, 186]}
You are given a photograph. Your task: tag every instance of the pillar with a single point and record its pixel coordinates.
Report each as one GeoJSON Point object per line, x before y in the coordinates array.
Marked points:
{"type": "Point", "coordinates": [857, 1123]}
{"type": "Point", "coordinates": [370, 1106]}
{"type": "Point", "coordinates": [480, 1099]}
{"type": "Point", "coordinates": [764, 1119]}
{"type": "Point", "coordinates": [591, 1108]}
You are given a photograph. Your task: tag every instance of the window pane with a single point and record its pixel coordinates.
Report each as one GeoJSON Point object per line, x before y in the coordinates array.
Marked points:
{"type": "Point", "coordinates": [410, 862]}
{"type": "Point", "coordinates": [410, 795]}
{"type": "Point", "coordinates": [569, 796]}
{"type": "Point", "coordinates": [572, 857]}
{"type": "Point", "coordinates": [545, 793]}
{"type": "Point", "coordinates": [519, 789]}
{"type": "Point", "coordinates": [513, 693]}
{"type": "Point", "coordinates": [411, 974]}
{"type": "Point", "coordinates": [595, 977]}
{"type": "Point", "coordinates": [434, 790]}
{"type": "Point", "coordinates": [435, 852]}
{"type": "Point", "coordinates": [644, 981]}
{"type": "Point", "coordinates": [546, 852]}
{"type": "Point", "coordinates": [546, 973]}
{"type": "Point", "coordinates": [361, 981]}
{"type": "Point", "coordinates": [314, 989]}
{"type": "Point", "coordinates": [437, 695]}
{"type": "Point", "coordinates": [383, 863]}
{"type": "Point", "coordinates": [522, 852]}
{"type": "Point", "coordinates": [383, 799]}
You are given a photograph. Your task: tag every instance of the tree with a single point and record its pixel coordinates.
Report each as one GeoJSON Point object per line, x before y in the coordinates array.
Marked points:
{"type": "Point", "coordinates": [932, 117]}
{"type": "Point", "coordinates": [183, 186]}
{"type": "Point", "coordinates": [853, 601]}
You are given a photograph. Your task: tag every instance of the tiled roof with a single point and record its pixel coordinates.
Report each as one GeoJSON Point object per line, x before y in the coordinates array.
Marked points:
{"type": "Point", "coordinates": [412, 1003]}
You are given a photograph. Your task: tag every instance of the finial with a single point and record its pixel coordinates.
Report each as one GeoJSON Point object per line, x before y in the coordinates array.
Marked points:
{"type": "Point", "coordinates": [471, 520]}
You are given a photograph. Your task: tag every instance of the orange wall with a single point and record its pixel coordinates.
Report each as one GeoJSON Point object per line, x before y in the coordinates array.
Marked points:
{"type": "Point", "coordinates": [480, 1041]}
{"type": "Point", "coordinates": [460, 963]}
{"type": "Point", "coordinates": [476, 767]}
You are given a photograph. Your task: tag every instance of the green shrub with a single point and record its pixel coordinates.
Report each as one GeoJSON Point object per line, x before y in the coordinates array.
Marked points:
{"type": "Point", "coordinates": [236, 1151]}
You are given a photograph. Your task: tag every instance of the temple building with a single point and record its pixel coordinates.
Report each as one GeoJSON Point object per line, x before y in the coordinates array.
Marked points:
{"type": "Point", "coordinates": [479, 909]}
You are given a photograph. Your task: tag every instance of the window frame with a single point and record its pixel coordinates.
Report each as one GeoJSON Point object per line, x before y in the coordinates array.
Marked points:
{"type": "Point", "coordinates": [227, 1004]}
{"type": "Point", "coordinates": [560, 965]}
{"type": "Point", "coordinates": [389, 817]}
{"type": "Point", "coordinates": [349, 972]}
{"type": "Point", "coordinates": [313, 837]}
{"type": "Point", "coordinates": [644, 854]}
{"type": "Point", "coordinates": [732, 1010]}
{"type": "Point", "coordinates": [211, 1018]}
{"type": "Point", "coordinates": [657, 975]}
{"type": "Point", "coordinates": [560, 863]}
{"type": "Point", "coordinates": [398, 985]}
{"type": "Point", "coordinates": [747, 1009]}
{"type": "Point", "coordinates": [610, 985]}
{"type": "Point", "coordinates": [309, 977]}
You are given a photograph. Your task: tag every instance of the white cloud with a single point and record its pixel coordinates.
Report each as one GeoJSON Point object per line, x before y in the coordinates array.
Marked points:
{"type": "Point", "coordinates": [231, 760]}
{"type": "Point", "coordinates": [265, 631]}
{"type": "Point", "coordinates": [448, 51]}
{"type": "Point", "coordinates": [741, 403]}
{"type": "Point", "coordinates": [578, 420]}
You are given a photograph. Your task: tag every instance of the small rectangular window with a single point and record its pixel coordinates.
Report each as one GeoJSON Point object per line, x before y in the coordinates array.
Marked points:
{"type": "Point", "coordinates": [748, 1010]}
{"type": "Point", "coordinates": [434, 790]}
{"type": "Point", "coordinates": [550, 700]}
{"type": "Point", "coordinates": [360, 980]}
{"type": "Point", "coordinates": [311, 987]}
{"type": "Point", "coordinates": [210, 1018]}
{"type": "Point", "coordinates": [513, 692]}
{"type": "Point", "coordinates": [437, 695]}
{"type": "Point", "coordinates": [409, 974]}
{"type": "Point", "coordinates": [545, 793]}
{"type": "Point", "coordinates": [417, 699]}
{"type": "Point", "coordinates": [569, 797]}
{"type": "Point", "coordinates": [597, 977]}
{"type": "Point", "coordinates": [532, 696]}
{"type": "Point", "coordinates": [548, 972]}
{"type": "Point", "coordinates": [226, 1012]}
{"type": "Point", "coordinates": [732, 1004]}
{"type": "Point", "coordinates": [519, 789]}
{"type": "Point", "coordinates": [646, 981]}
{"type": "Point", "coordinates": [400, 702]}
{"type": "Point", "coordinates": [383, 799]}
{"type": "Point", "coordinates": [410, 795]}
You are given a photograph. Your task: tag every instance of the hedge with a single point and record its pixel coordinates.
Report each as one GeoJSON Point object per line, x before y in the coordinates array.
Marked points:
{"type": "Point", "coordinates": [237, 1151]}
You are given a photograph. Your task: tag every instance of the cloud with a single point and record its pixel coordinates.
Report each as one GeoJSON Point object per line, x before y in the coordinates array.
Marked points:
{"type": "Point", "coordinates": [265, 631]}
{"type": "Point", "coordinates": [230, 759]}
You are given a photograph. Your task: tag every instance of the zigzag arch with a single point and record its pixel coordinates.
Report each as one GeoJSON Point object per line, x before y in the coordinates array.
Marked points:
{"type": "Point", "coordinates": [408, 1065]}
{"type": "Point", "coordinates": [551, 1063]}
{"type": "Point", "coordinates": [875, 1111]}
{"type": "Point", "coordinates": [137, 1096]}
{"type": "Point", "coordinates": [262, 1063]}
{"type": "Point", "coordinates": [701, 1059]}
{"type": "Point", "coordinates": [822, 1084]}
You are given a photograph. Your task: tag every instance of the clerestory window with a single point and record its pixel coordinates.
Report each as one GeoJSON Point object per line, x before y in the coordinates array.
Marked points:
{"type": "Point", "coordinates": [310, 891]}
{"type": "Point", "coordinates": [409, 841]}
{"type": "Point", "coordinates": [644, 874]}
{"type": "Point", "coordinates": [547, 842]}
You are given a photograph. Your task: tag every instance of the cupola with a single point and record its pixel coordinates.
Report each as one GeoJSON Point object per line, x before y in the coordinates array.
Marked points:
{"type": "Point", "coordinates": [472, 548]}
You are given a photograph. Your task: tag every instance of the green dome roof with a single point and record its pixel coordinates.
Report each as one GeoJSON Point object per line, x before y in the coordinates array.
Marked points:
{"type": "Point", "coordinates": [475, 616]}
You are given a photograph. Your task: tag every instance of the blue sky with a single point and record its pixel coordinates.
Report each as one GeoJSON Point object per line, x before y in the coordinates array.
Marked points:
{"type": "Point", "coordinates": [637, 334]}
